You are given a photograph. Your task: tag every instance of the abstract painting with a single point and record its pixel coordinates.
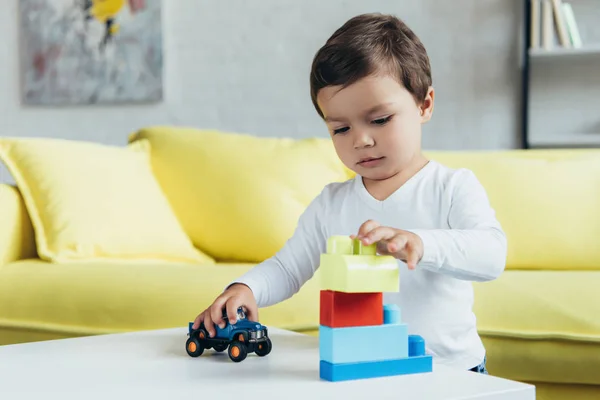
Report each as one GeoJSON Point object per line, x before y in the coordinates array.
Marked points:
{"type": "Point", "coordinates": [81, 52]}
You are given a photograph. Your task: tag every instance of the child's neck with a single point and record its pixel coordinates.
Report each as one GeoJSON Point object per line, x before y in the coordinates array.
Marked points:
{"type": "Point", "coordinates": [382, 189]}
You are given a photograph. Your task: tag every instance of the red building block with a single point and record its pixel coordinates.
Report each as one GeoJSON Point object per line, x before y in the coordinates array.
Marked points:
{"type": "Point", "coordinates": [340, 309]}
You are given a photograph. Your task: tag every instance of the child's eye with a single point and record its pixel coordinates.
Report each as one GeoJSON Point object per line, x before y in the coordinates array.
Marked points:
{"type": "Point", "coordinates": [382, 121]}
{"type": "Point", "coordinates": [341, 130]}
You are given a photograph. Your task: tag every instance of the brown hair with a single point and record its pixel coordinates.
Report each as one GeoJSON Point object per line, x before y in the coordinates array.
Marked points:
{"type": "Point", "coordinates": [367, 44]}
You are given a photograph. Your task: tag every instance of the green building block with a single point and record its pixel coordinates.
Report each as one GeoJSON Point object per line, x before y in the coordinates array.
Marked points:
{"type": "Point", "coordinates": [350, 267]}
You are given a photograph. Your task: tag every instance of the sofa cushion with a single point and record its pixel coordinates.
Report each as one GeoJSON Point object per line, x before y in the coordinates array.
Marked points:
{"type": "Point", "coordinates": [41, 300]}
{"type": "Point", "coordinates": [542, 326]}
{"type": "Point", "coordinates": [90, 201]}
{"type": "Point", "coordinates": [239, 197]}
{"type": "Point", "coordinates": [546, 201]}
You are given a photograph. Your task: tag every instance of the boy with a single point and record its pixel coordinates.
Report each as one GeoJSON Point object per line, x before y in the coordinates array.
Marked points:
{"type": "Point", "coordinates": [371, 84]}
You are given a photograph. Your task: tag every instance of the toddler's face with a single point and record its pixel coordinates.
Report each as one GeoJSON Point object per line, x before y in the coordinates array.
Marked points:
{"type": "Point", "coordinates": [375, 125]}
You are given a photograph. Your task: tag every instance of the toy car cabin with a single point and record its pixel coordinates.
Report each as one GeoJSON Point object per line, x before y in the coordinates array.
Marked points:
{"type": "Point", "coordinates": [241, 338]}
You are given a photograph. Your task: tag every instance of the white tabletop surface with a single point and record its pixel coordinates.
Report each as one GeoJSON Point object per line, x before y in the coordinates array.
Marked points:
{"type": "Point", "coordinates": [154, 365]}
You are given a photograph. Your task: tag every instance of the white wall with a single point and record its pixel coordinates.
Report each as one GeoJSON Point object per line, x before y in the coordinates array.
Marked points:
{"type": "Point", "coordinates": [243, 66]}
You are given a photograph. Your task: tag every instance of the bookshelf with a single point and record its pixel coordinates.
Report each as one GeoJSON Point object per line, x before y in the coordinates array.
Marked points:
{"type": "Point", "coordinates": [590, 50]}
{"type": "Point", "coordinates": [561, 74]}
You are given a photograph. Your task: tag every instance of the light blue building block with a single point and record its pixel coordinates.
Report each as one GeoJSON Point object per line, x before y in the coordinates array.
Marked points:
{"type": "Point", "coordinates": [416, 346]}
{"type": "Point", "coordinates": [363, 343]}
{"type": "Point", "coordinates": [375, 369]}
{"type": "Point", "coordinates": [391, 314]}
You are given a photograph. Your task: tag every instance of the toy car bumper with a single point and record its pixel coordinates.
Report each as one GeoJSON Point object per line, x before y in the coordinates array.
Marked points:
{"type": "Point", "coordinates": [258, 336]}
{"type": "Point", "coordinates": [261, 340]}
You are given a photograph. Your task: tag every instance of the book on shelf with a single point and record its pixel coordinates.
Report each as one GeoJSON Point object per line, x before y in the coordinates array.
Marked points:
{"type": "Point", "coordinates": [572, 25]}
{"type": "Point", "coordinates": [553, 24]}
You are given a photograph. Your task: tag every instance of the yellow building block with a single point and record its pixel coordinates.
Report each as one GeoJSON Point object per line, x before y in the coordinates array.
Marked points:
{"type": "Point", "coordinates": [350, 267]}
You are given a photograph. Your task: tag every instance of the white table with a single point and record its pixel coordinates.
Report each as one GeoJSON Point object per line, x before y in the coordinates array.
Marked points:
{"type": "Point", "coordinates": [154, 365]}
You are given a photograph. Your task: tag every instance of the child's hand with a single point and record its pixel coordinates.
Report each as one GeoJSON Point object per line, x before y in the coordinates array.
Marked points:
{"type": "Point", "coordinates": [403, 245]}
{"type": "Point", "coordinates": [236, 296]}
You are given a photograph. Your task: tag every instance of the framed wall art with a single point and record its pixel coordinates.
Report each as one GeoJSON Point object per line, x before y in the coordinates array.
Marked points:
{"type": "Point", "coordinates": [82, 52]}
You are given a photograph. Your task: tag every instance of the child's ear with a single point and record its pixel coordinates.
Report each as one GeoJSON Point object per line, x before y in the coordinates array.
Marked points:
{"type": "Point", "coordinates": [426, 107]}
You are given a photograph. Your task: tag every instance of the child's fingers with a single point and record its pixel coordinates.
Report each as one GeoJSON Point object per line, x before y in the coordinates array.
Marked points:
{"type": "Point", "coordinates": [393, 246]}
{"type": "Point", "coordinates": [216, 310]}
{"type": "Point", "coordinates": [382, 248]}
{"type": "Point", "coordinates": [252, 312]}
{"type": "Point", "coordinates": [413, 255]}
{"type": "Point", "coordinates": [232, 306]}
{"type": "Point", "coordinates": [198, 320]}
{"type": "Point", "coordinates": [378, 234]}
{"type": "Point", "coordinates": [366, 227]}
{"type": "Point", "coordinates": [209, 325]}
{"type": "Point", "coordinates": [397, 243]}
{"type": "Point", "coordinates": [412, 258]}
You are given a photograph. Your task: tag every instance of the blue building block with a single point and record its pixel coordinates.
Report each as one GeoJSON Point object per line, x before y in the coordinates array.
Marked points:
{"type": "Point", "coordinates": [391, 314]}
{"type": "Point", "coordinates": [416, 346]}
{"type": "Point", "coordinates": [375, 369]}
{"type": "Point", "coordinates": [363, 343]}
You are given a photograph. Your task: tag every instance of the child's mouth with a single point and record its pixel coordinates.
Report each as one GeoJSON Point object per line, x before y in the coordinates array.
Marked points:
{"type": "Point", "coordinates": [370, 162]}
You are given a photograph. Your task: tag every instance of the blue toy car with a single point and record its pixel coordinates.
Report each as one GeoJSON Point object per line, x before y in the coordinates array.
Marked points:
{"type": "Point", "coordinates": [241, 338]}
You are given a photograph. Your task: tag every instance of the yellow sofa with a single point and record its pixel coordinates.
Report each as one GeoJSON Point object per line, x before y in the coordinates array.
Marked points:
{"type": "Point", "coordinates": [540, 320]}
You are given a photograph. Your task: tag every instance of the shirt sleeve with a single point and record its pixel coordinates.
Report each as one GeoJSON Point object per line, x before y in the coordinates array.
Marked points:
{"type": "Point", "coordinates": [475, 246]}
{"type": "Point", "coordinates": [281, 276]}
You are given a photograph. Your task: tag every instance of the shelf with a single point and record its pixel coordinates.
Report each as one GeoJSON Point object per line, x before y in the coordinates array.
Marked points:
{"type": "Point", "coordinates": [589, 50]}
{"type": "Point", "coordinates": [560, 85]}
{"type": "Point", "coordinates": [567, 140]}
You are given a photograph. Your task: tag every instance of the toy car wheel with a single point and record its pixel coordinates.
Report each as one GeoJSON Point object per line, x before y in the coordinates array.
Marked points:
{"type": "Point", "coordinates": [202, 334]}
{"type": "Point", "coordinates": [220, 347]}
{"type": "Point", "coordinates": [237, 351]}
{"type": "Point", "coordinates": [263, 348]}
{"type": "Point", "coordinates": [193, 347]}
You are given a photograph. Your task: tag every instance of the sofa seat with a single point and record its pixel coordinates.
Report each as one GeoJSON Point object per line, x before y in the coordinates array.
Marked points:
{"type": "Point", "coordinates": [41, 300]}
{"type": "Point", "coordinates": [542, 326]}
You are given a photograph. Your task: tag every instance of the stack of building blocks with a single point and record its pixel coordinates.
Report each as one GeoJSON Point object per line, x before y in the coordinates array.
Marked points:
{"type": "Point", "coordinates": [359, 336]}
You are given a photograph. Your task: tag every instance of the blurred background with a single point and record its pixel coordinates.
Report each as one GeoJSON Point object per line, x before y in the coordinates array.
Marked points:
{"type": "Point", "coordinates": [243, 66]}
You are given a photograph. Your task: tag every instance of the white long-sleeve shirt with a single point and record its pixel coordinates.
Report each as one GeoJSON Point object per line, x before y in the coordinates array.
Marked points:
{"type": "Point", "coordinates": [462, 239]}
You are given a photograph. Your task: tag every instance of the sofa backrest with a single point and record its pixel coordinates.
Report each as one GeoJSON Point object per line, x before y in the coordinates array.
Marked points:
{"type": "Point", "coordinates": [239, 196]}
{"type": "Point", "coordinates": [16, 232]}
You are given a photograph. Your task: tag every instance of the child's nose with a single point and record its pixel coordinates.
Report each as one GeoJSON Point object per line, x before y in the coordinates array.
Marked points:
{"type": "Point", "coordinates": [362, 139]}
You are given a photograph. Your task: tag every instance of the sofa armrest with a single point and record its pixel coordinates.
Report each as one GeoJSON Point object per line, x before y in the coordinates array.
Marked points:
{"type": "Point", "coordinates": [17, 238]}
